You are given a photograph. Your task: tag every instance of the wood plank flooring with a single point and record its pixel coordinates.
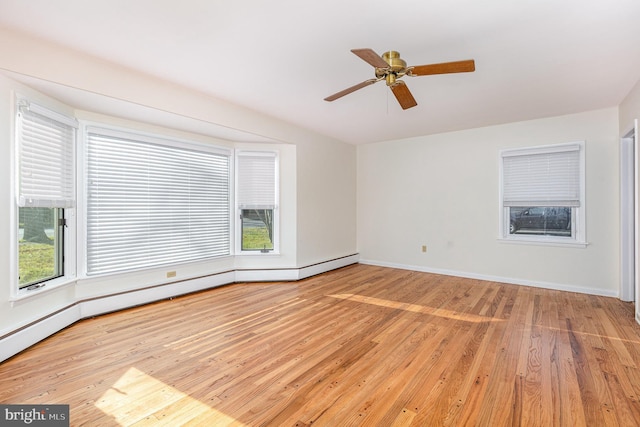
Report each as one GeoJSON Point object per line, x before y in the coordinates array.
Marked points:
{"type": "Point", "coordinates": [358, 346]}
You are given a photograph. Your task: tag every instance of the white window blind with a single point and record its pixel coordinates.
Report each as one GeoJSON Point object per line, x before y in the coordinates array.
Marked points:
{"type": "Point", "coordinates": [150, 203]}
{"type": "Point", "coordinates": [549, 177]}
{"type": "Point", "coordinates": [256, 180]}
{"type": "Point", "coordinates": [46, 169]}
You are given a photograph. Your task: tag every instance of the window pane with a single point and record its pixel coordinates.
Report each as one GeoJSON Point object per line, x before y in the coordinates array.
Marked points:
{"type": "Point", "coordinates": [257, 229]}
{"type": "Point", "coordinates": [40, 245]}
{"type": "Point", "coordinates": [540, 220]}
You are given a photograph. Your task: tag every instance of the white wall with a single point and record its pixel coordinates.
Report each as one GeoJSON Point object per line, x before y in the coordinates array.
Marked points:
{"type": "Point", "coordinates": [442, 191]}
{"type": "Point", "coordinates": [326, 198]}
{"type": "Point", "coordinates": [630, 109]}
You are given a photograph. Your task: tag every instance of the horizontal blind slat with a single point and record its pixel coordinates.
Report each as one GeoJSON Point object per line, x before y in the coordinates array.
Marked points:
{"type": "Point", "coordinates": [256, 181]}
{"type": "Point", "coordinates": [551, 178]}
{"type": "Point", "coordinates": [46, 170]}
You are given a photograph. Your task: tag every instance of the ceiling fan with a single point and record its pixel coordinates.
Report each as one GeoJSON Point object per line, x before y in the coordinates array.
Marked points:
{"type": "Point", "coordinates": [390, 67]}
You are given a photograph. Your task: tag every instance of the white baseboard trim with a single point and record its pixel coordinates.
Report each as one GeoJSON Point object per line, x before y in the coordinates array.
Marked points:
{"type": "Point", "coordinates": [276, 275]}
{"type": "Point", "coordinates": [109, 303]}
{"type": "Point", "coordinates": [291, 274]}
{"type": "Point", "coordinates": [13, 342]}
{"type": "Point", "coordinates": [323, 267]}
{"type": "Point", "coordinates": [27, 336]}
{"type": "Point", "coordinates": [500, 279]}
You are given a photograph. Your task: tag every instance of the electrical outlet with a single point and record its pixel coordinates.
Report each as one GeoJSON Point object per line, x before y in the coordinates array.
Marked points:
{"type": "Point", "coordinates": [424, 248]}
{"type": "Point", "coordinates": [171, 274]}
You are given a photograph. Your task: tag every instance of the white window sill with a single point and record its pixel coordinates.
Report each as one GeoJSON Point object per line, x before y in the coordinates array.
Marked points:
{"type": "Point", "coordinates": [24, 294]}
{"type": "Point", "coordinates": [541, 241]}
{"type": "Point", "coordinates": [258, 253]}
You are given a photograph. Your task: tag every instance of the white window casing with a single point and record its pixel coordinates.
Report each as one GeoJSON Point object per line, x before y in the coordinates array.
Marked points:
{"type": "Point", "coordinates": [45, 179]}
{"type": "Point", "coordinates": [550, 175]}
{"type": "Point", "coordinates": [257, 185]}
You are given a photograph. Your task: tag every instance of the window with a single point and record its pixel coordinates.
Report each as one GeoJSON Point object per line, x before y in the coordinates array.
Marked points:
{"type": "Point", "coordinates": [256, 199]}
{"type": "Point", "coordinates": [154, 202]}
{"type": "Point", "coordinates": [542, 194]}
{"type": "Point", "coordinates": [46, 189]}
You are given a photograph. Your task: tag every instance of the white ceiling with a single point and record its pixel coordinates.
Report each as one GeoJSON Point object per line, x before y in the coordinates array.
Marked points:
{"type": "Point", "coordinates": [534, 58]}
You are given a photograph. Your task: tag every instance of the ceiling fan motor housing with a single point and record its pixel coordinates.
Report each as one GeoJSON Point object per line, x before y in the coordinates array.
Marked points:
{"type": "Point", "coordinates": [397, 67]}
{"type": "Point", "coordinates": [396, 64]}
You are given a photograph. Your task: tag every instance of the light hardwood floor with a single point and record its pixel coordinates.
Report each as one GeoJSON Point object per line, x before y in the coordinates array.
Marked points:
{"type": "Point", "coordinates": [359, 346]}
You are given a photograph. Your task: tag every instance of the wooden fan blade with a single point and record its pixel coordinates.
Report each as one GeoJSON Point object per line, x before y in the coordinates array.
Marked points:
{"type": "Point", "coordinates": [443, 68]}
{"type": "Point", "coordinates": [353, 88]}
{"type": "Point", "coordinates": [403, 95]}
{"type": "Point", "coordinates": [371, 57]}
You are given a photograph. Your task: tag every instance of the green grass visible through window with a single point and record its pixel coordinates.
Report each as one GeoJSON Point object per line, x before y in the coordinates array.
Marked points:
{"type": "Point", "coordinates": [255, 238]}
{"type": "Point", "coordinates": [36, 262]}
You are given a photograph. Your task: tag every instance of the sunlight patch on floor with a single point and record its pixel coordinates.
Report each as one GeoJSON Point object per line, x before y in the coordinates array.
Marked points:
{"type": "Point", "coordinates": [138, 398]}
{"type": "Point", "coordinates": [416, 308]}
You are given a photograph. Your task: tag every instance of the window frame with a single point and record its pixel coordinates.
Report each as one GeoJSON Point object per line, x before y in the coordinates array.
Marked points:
{"type": "Point", "coordinates": [578, 222]}
{"type": "Point", "coordinates": [66, 251]}
{"type": "Point", "coordinates": [238, 208]}
{"type": "Point", "coordinates": [58, 249]}
{"type": "Point", "coordinates": [153, 139]}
